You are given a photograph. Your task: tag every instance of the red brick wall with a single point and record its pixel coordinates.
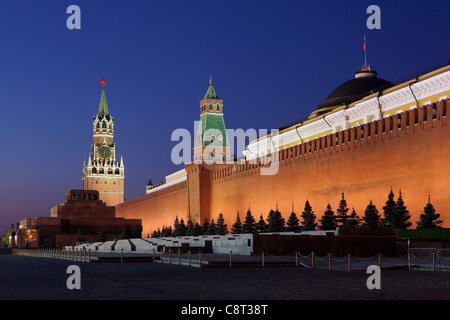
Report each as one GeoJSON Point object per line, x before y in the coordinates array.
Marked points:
{"type": "Point", "coordinates": [157, 209]}
{"type": "Point", "coordinates": [412, 157]}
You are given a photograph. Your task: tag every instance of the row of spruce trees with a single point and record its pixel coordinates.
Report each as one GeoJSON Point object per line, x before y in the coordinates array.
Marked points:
{"type": "Point", "coordinates": [395, 215]}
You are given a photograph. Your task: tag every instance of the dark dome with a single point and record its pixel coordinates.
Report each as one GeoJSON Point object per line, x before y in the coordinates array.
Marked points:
{"type": "Point", "coordinates": [365, 83]}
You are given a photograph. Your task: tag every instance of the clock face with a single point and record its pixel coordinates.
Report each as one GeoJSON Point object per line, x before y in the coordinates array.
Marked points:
{"type": "Point", "coordinates": [104, 152]}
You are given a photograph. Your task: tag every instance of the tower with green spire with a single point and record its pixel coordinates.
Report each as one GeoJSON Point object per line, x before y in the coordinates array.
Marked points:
{"type": "Point", "coordinates": [103, 171]}
{"type": "Point", "coordinates": [149, 185]}
{"type": "Point", "coordinates": [211, 143]}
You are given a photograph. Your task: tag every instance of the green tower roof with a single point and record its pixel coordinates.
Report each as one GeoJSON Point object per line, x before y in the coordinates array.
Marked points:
{"type": "Point", "coordinates": [103, 107]}
{"type": "Point", "coordinates": [211, 93]}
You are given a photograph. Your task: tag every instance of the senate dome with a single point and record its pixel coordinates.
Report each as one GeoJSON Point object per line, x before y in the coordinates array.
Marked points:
{"type": "Point", "coordinates": [365, 83]}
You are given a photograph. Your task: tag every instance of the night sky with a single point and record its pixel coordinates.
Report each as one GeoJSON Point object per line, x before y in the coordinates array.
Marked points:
{"type": "Point", "coordinates": [272, 62]}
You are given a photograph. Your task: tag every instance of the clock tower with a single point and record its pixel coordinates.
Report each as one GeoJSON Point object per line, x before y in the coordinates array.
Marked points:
{"type": "Point", "coordinates": [103, 172]}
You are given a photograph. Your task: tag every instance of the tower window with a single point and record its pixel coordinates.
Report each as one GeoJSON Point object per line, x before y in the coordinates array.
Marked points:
{"type": "Point", "coordinates": [105, 181]}
{"type": "Point", "coordinates": [210, 107]}
{"type": "Point", "coordinates": [212, 138]}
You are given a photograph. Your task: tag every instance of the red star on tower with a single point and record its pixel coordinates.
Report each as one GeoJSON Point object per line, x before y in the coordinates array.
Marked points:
{"type": "Point", "coordinates": [103, 82]}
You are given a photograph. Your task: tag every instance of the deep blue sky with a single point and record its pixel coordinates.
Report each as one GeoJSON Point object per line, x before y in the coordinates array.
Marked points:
{"type": "Point", "coordinates": [272, 62]}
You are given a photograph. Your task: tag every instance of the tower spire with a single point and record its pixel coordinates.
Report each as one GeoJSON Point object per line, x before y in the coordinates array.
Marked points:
{"type": "Point", "coordinates": [211, 93]}
{"type": "Point", "coordinates": [103, 107]}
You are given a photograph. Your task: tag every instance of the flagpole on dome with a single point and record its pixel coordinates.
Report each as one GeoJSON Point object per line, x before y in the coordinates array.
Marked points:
{"type": "Point", "coordinates": [366, 67]}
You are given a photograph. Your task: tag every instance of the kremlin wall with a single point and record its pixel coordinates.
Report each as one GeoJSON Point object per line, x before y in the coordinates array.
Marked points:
{"type": "Point", "coordinates": [367, 137]}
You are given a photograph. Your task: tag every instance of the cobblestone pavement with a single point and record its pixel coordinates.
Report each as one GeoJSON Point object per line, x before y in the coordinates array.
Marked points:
{"type": "Point", "coordinates": [34, 278]}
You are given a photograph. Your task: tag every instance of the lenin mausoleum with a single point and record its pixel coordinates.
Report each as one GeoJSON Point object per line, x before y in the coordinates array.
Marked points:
{"type": "Point", "coordinates": [367, 137]}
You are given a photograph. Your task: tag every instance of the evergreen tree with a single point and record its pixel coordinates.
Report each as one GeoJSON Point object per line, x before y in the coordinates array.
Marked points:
{"type": "Point", "coordinates": [78, 237]}
{"type": "Point", "coordinates": [292, 224]}
{"type": "Point", "coordinates": [269, 216]}
{"type": "Point", "coordinates": [212, 228]}
{"type": "Point", "coordinates": [309, 218]}
{"type": "Point", "coordinates": [400, 215]}
{"type": "Point", "coordinates": [371, 217]}
{"type": "Point", "coordinates": [5, 238]}
{"type": "Point", "coordinates": [354, 221]}
{"type": "Point", "coordinates": [175, 225]}
{"type": "Point", "coordinates": [328, 221]}
{"type": "Point", "coordinates": [197, 229]}
{"type": "Point", "coordinates": [125, 233]}
{"type": "Point", "coordinates": [222, 228]}
{"type": "Point", "coordinates": [101, 236]}
{"type": "Point", "coordinates": [190, 228]}
{"type": "Point", "coordinates": [276, 222]}
{"type": "Point", "coordinates": [388, 209]}
{"type": "Point", "coordinates": [236, 228]}
{"type": "Point", "coordinates": [180, 229]}
{"type": "Point", "coordinates": [261, 226]}
{"type": "Point", "coordinates": [342, 212]}
{"type": "Point", "coordinates": [167, 232]}
{"type": "Point", "coordinates": [249, 225]}
{"type": "Point", "coordinates": [429, 218]}
{"type": "Point", "coordinates": [205, 226]}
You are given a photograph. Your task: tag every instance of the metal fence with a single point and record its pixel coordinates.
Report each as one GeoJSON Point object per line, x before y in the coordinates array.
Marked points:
{"type": "Point", "coordinates": [429, 258]}
{"type": "Point", "coordinates": [416, 258]}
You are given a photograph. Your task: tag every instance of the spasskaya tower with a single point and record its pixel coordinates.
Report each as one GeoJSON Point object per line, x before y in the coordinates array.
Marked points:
{"type": "Point", "coordinates": [102, 171]}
